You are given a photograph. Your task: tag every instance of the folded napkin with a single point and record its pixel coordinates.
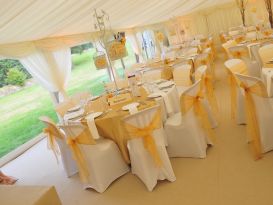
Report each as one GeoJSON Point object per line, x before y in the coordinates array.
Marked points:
{"type": "Point", "coordinates": [133, 110]}
{"type": "Point", "coordinates": [92, 126]}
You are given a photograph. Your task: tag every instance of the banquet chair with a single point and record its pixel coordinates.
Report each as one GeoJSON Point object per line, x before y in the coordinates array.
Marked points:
{"type": "Point", "coordinates": [152, 75]}
{"type": "Point", "coordinates": [64, 106]}
{"type": "Point", "coordinates": [186, 137]}
{"type": "Point", "coordinates": [69, 164]}
{"type": "Point", "coordinates": [99, 161]}
{"type": "Point", "coordinates": [241, 52]}
{"type": "Point", "coordinates": [227, 45]}
{"type": "Point", "coordinates": [267, 33]}
{"type": "Point", "coordinates": [78, 97]}
{"type": "Point", "coordinates": [236, 94]}
{"type": "Point", "coordinates": [146, 145]}
{"type": "Point", "coordinates": [209, 102]}
{"type": "Point", "coordinates": [260, 114]}
{"type": "Point", "coordinates": [266, 54]}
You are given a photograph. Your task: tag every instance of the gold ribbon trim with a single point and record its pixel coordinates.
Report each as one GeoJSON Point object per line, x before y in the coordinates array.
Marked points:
{"type": "Point", "coordinates": [188, 101]}
{"type": "Point", "coordinates": [241, 69]}
{"type": "Point", "coordinates": [86, 139]}
{"type": "Point", "coordinates": [51, 140]}
{"type": "Point", "coordinates": [253, 129]}
{"type": "Point", "coordinates": [146, 134]}
{"type": "Point", "coordinates": [207, 83]}
{"type": "Point", "coordinates": [239, 53]}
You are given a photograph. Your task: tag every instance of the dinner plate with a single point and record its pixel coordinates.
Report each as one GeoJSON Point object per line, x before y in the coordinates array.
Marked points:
{"type": "Point", "coordinates": [73, 115]}
{"type": "Point", "coordinates": [94, 115]}
{"type": "Point", "coordinates": [165, 84]}
{"type": "Point", "coordinates": [154, 95]}
{"type": "Point", "coordinates": [127, 107]}
{"type": "Point", "coordinates": [93, 98]}
{"type": "Point", "coordinates": [75, 108]}
{"type": "Point", "coordinates": [159, 81]}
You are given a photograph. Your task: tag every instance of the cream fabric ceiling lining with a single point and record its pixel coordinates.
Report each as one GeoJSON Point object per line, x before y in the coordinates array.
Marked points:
{"type": "Point", "coordinates": [28, 20]}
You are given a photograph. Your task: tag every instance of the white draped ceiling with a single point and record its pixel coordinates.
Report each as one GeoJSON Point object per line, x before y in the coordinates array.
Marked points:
{"type": "Point", "coordinates": [40, 32]}
{"type": "Point", "coordinates": [28, 20]}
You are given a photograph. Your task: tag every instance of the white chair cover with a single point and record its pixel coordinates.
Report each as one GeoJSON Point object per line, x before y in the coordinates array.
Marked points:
{"type": "Point", "coordinates": [103, 159]}
{"type": "Point", "coordinates": [142, 163]}
{"type": "Point", "coordinates": [242, 52]}
{"type": "Point", "coordinates": [264, 113]}
{"type": "Point", "coordinates": [186, 138]}
{"type": "Point", "coordinates": [69, 164]}
{"type": "Point", "coordinates": [240, 117]}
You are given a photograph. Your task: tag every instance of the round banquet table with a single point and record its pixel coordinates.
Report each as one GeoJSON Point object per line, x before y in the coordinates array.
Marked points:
{"type": "Point", "coordinates": [110, 123]}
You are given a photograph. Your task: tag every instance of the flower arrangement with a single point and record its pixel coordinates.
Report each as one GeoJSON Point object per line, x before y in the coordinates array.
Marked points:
{"type": "Point", "coordinates": [100, 62]}
{"type": "Point", "coordinates": [160, 36]}
{"type": "Point", "coordinates": [117, 50]}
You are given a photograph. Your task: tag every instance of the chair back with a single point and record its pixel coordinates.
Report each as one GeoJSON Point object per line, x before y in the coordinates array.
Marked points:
{"type": "Point", "coordinates": [259, 111]}
{"type": "Point", "coordinates": [227, 45]}
{"type": "Point", "coordinates": [266, 53]}
{"type": "Point", "coordinates": [200, 72]}
{"type": "Point", "coordinates": [64, 106]}
{"type": "Point", "coordinates": [146, 125]}
{"type": "Point", "coordinates": [236, 66]}
{"type": "Point", "coordinates": [239, 52]}
{"type": "Point", "coordinates": [52, 126]}
{"type": "Point", "coordinates": [78, 97]}
{"type": "Point", "coordinates": [182, 75]}
{"type": "Point", "coordinates": [202, 59]}
{"type": "Point", "coordinates": [152, 75]}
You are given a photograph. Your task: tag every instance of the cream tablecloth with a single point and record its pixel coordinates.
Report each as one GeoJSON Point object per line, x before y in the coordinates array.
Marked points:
{"type": "Point", "coordinates": [29, 195]}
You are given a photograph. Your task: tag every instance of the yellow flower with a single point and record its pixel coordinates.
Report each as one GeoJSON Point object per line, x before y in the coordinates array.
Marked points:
{"type": "Point", "coordinates": [254, 10]}
{"type": "Point", "coordinates": [160, 36]}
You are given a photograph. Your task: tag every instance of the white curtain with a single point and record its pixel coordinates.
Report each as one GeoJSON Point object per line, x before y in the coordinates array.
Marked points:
{"type": "Point", "coordinates": [132, 39]}
{"type": "Point", "coordinates": [50, 69]}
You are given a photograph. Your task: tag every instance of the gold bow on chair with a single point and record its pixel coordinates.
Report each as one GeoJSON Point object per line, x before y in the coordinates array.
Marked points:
{"type": "Point", "coordinates": [86, 139]}
{"type": "Point", "coordinates": [207, 83]}
{"type": "Point", "coordinates": [239, 53]}
{"type": "Point", "coordinates": [241, 69]}
{"type": "Point", "coordinates": [51, 140]}
{"type": "Point", "coordinates": [252, 121]}
{"type": "Point", "coordinates": [188, 101]}
{"type": "Point", "coordinates": [146, 134]}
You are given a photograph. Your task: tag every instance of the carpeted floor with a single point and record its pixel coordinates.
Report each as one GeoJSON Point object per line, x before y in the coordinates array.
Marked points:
{"type": "Point", "coordinates": [228, 176]}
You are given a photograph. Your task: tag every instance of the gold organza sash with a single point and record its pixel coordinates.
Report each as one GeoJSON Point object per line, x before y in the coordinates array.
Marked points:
{"type": "Point", "coordinates": [233, 82]}
{"type": "Point", "coordinates": [146, 134]}
{"type": "Point", "coordinates": [187, 102]}
{"type": "Point", "coordinates": [242, 53]}
{"type": "Point", "coordinates": [52, 134]}
{"type": "Point", "coordinates": [207, 83]}
{"type": "Point", "coordinates": [252, 121]}
{"type": "Point", "coordinates": [86, 139]}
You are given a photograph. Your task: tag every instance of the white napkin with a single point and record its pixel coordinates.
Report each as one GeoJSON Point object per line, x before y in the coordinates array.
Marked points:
{"type": "Point", "coordinates": [133, 110]}
{"type": "Point", "coordinates": [167, 102]}
{"type": "Point", "coordinates": [92, 126]}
